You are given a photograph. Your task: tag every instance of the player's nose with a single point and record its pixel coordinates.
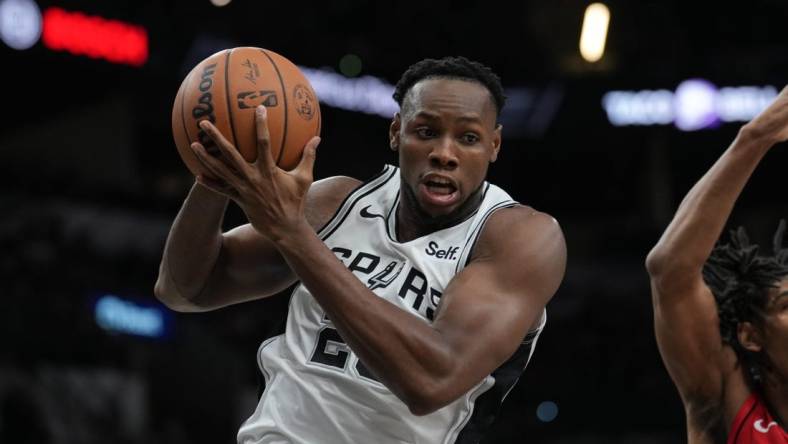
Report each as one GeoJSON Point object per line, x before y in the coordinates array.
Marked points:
{"type": "Point", "coordinates": [444, 153]}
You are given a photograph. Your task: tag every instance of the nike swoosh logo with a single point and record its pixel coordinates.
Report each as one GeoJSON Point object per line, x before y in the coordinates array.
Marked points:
{"type": "Point", "coordinates": [759, 426]}
{"type": "Point", "coordinates": [365, 213]}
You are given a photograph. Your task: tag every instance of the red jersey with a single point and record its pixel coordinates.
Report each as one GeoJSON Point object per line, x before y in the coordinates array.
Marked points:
{"type": "Point", "coordinates": [754, 425]}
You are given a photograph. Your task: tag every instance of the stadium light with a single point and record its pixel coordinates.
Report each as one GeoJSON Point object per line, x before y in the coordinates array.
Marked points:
{"type": "Point", "coordinates": [117, 315]}
{"type": "Point", "coordinates": [20, 23]}
{"type": "Point", "coordinates": [594, 32]}
{"type": "Point", "coordinates": [547, 411]}
{"type": "Point", "coordinates": [696, 104]}
{"type": "Point", "coordinates": [95, 37]}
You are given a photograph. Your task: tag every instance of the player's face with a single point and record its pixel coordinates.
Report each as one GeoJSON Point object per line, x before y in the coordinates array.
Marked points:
{"type": "Point", "coordinates": [775, 330]}
{"type": "Point", "coordinates": [446, 135]}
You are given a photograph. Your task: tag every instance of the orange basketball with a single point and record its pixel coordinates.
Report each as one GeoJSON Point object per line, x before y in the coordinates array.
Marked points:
{"type": "Point", "coordinates": [226, 87]}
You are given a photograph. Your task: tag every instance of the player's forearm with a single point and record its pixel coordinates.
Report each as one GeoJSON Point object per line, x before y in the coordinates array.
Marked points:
{"type": "Point", "coordinates": [192, 248]}
{"type": "Point", "coordinates": [403, 351]}
{"type": "Point", "coordinates": [698, 222]}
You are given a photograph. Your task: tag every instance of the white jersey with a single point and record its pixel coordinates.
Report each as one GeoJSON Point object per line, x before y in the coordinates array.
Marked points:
{"type": "Point", "coordinates": [316, 388]}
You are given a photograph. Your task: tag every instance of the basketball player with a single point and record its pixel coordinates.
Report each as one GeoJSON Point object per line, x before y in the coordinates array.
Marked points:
{"type": "Point", "coordinates": [422, 291]}
{"type": "Point", "coordinates": [721, 314]}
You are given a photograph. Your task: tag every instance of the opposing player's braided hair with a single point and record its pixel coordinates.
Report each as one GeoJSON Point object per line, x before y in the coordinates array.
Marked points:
{"type": "Point", "coordinates": [453, 68]}
{"type": "Point", "coordinates": [740, 280]}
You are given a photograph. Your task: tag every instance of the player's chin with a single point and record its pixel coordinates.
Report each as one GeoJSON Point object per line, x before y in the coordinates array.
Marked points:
{"type": "Point", "coordinates": [438, 213]}
{"type": "Point", "coordinates": [439, 204]}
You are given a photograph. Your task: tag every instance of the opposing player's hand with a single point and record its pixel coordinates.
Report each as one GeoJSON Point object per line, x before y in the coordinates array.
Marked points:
{"type": "Point", "coordinates": [273, 199]}
{"type": "Point", "coordinates": [771, 125]}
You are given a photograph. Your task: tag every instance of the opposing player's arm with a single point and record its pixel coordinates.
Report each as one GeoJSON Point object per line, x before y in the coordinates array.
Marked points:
{"type": "Point", "coordinates": [685, 313]}
{"type": "Point", "coordinates": [485, 312]}
{"type": "Point", "coordinates": [203, 269]}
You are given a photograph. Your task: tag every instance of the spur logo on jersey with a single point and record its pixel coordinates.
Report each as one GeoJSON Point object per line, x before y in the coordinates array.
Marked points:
{"type": "Point", "coordinates": [414, 290]}
{"type": "Point", "coordinates": [434, 250]}
{"type": "Point", "coordinates": [385, 277]}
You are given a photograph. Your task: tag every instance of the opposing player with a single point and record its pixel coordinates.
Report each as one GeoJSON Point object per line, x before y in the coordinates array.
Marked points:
{"type": "Point", "coordinates": [422, 291]}
{"type": "Point", "coordinates": [721, 314]}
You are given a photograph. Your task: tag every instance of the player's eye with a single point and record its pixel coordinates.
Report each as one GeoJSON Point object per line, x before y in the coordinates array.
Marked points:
{"type": "Point", "coordinates": [470, 138]}
{"type": "Point", "coordinates": [425, 132]}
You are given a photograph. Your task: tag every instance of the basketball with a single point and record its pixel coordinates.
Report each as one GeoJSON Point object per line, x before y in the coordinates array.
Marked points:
{"type": "Point", "coordinates": [226, 87]}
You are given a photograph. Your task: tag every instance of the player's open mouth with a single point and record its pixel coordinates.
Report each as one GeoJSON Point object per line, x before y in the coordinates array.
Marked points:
{"type": "Point", "coordinates": [438, 190]}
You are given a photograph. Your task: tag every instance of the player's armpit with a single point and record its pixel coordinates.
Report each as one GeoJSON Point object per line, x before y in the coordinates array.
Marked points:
{"type": "Point", "coordinates": [706, 372]}
{"type": "Point", "coordinates": [489, 307]}
{"type": "Point", "coordinates": [687, 332]}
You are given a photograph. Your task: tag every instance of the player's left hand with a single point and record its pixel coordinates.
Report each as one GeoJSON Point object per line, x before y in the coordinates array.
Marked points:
{"type": "Point", "coordinates": [272, 198]}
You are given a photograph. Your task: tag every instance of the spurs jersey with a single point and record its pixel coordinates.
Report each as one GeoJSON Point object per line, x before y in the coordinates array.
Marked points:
{"type": "Point", "coordinates": [755, 425]}
{"type": "Point", "coordinates": [316, 388]}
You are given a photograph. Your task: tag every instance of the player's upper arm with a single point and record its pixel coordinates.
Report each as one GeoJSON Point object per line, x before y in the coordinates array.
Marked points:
{"type": "Point", "coordinates": [687, 331]}
{"type": "Point", "coordinates": [489, 307]}
{"type": "Point", "coordinates": [250, 267]}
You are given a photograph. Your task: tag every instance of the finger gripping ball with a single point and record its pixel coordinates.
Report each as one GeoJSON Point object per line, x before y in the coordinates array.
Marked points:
{"type": "Point", "coordinates": [226, 87]}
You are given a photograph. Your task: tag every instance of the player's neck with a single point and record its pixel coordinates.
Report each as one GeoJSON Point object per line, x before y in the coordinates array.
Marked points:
{"type": "Point", "coordinates": [775, 392]}
{"type": "Point", "coordinates": [413, 222]}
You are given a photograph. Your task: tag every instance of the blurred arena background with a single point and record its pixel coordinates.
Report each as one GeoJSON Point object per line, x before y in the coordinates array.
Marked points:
{"type": "Point", "coordinates": [90, 181]}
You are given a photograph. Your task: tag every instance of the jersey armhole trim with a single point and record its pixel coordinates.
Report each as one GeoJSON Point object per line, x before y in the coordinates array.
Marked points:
{"type": "Point", "coordinates": [352, 198]}
{"type": "Point", "coordinates": [470, 243]}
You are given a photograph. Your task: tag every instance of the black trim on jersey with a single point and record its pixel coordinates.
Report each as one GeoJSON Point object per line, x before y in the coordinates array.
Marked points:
{"type": "Point", "coordinates": [471, 242]}
{"type": "Point", "coordinates": [486, 187]}
{"type": "Point", "coordinates": [324, 236]}
{"type": "Point", "coordinates": [389, 222]}
{"type": "Point", "coordinates": [488, 404]}
{"type": "Point", "coordinates": [279, 331]}
{"type": "Point", "coordinates": [260, 376]}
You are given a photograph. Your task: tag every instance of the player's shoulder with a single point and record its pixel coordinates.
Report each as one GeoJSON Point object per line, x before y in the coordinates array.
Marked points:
{"type": "Point", "coordinates": [325, 196]}
{"type": "Point", "coordinates": [334, 188]}
{"type": "Point", "coordinates": [519, 221]}
{"type": "Point", "coordinates": [526, 250]}
{"type": "Point", "coordinates": [518, 230]}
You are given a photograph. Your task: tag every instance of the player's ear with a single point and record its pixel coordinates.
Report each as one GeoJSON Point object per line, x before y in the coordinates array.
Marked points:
{"type": "Point", "coordinates": [496, 142]}
{"type": "Point", "coordinates": [396, 124]}
{"type": "Point", "coordinates": [750, 337]}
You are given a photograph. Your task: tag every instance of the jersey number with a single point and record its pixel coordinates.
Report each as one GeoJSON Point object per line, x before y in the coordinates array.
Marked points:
{"type": "Point", "coordinates": [332, 351]}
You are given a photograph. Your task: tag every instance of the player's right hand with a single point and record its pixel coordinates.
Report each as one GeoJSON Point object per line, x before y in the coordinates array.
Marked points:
{"type": "Point", "coordinates": [273, 199]}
